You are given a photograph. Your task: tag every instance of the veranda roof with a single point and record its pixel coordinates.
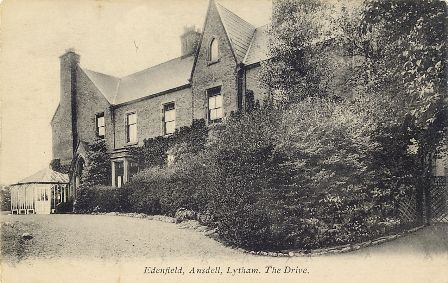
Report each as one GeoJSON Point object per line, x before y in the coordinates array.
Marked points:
{"type": "Point", "coordinates": [45, 176]}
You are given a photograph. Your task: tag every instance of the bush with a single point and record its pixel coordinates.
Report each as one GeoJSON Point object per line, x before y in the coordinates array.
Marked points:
{"type": "Point", "coordinates": [301, 177]}
{"type": "Point", "coordinates": [165, 190]}
{"type": "Point", "coordinates": [100, 199]}
{"type": "Point", "coordinates": [65, 207]}
{"type": "Point", "coordinates": [5, 198]}
{"type": "Point", "coordinates": [98, 168]}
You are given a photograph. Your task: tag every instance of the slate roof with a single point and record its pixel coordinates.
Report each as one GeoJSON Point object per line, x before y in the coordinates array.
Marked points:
{"type": "Point", "coordinates": [258, 50]}
{"type": "Point", "coordinates": [108, 85]}
{"type": "Point", "coordinates": [45, 176]}
{"type": "Point", "coordinates": [171, 74]}
{"type": "Point", "coordinates": [165, 76]}
{"type": "Point", "coordinates": [238, 30]}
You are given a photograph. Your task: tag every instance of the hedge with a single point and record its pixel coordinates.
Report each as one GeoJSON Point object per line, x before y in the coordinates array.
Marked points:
{"type": "Point", "coordinates": [100, 199]}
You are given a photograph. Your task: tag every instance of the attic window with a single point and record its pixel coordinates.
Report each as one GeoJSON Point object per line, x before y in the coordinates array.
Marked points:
{"type": "Point", "coordinates": [213, 53]}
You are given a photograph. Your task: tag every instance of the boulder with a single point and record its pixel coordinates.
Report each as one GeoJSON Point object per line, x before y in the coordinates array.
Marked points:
{"type": "Point", "coordinates": [183, 214]}
{"type": "Point", "coordinates": [27, 236]}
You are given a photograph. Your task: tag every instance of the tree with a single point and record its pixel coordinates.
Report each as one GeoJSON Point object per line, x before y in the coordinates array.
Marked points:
{"type": "Point", "coordinates": [404, 45]}
{"type": "Point", "coordinates": [98, 168]}
{"type": "Point", "coordinates": [56, 165]}
{"type": "Point", "coordinates": [306, 41]}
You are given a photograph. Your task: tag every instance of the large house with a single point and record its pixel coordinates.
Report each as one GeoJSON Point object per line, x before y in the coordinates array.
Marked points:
{"type": "Point", "coordinates": [211, 78]}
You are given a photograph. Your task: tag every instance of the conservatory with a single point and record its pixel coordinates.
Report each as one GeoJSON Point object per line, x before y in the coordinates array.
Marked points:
{"type": "Point", "coordinates": [40, 193]}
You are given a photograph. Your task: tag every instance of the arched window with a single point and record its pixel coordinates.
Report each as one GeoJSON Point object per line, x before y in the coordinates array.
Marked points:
{"type": "Point", "coordinates": [213, 54]}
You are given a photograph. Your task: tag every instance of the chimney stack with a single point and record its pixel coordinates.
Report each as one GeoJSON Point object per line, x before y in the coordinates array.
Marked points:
{"type": "Point", "coordinates": [190, 40]}
{"type": "Point", "coordinates": [69, 65]}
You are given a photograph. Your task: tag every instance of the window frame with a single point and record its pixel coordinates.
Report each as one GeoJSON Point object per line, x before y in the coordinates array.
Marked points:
{"type": "Point", "coordinates": [213, 92]}
{"type": "Point", "coordinates": [116, 176]}
{"type": "Point", "coordinates": [127, 128]}
{"type": "Point", "coordinates": [210, 53]}
{"type": "Point", "coordinates": [164, 122]}
{"type": "Point", "coordinates": [97, 127]}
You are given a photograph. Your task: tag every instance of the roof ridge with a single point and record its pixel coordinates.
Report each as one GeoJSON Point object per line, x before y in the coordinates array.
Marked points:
{"type": "Point", "coordinates": [116, 91]}
{"type": "Point", "coordinates": [217, 3]}
{"type": "Point", "coordinates": [161, 63]}
{"type": "Point", "coordinates": [85, 69]}
{"type": "Point", "coordinates": [250, 46]}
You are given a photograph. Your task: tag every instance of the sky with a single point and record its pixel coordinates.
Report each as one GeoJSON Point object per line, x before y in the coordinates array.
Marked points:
{"type": "Point", "coordinates": [116, 37]}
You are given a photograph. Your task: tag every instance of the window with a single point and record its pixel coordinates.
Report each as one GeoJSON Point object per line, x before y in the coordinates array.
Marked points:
{"type": "Point", "coordinates": [215, 112]}
{"type": "Point", "coordinates": [119, 173]}
{"type": "Point", "coordinates": [169, 118]}
{"type": "Point", "coordinates": [213, 53]}
{"type": "Point", "coordinates": [100, 127]}
{"type": "Point", "coordinates": [133, 169]}
{"type": "Point", "coordinates": [131, 128]}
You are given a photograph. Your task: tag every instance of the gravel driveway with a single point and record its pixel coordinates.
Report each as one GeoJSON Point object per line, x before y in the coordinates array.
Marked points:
{"type": "Point", "coordinates": [106, 237]}
{"type": "Point", "coordinates": [101, 248]}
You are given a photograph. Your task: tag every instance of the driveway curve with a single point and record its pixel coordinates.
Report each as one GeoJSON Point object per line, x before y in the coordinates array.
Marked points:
{"type": "Point", "coordinates": [105, 237]}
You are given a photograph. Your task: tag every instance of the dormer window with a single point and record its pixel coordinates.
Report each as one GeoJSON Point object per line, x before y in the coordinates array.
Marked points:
{"type": "Point", "coordinates": [213, 53]}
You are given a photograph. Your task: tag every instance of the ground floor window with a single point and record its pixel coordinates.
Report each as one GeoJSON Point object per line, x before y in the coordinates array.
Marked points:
{"type": "Point", "coordinates": [122, 171]}
{"type": "Point", "coordinates": [133, 169]}
{"type": "Point", "coordinates": [119, 173]}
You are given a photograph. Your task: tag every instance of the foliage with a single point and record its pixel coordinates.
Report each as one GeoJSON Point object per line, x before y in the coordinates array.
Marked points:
{"type": "Point", "coordinates": [56, 165]}
{"type": "Point", "coordinates": [98, 169]}
{"type": "Point", "coordinates": [165, 190]}
{"type": "Point", "coordinates": [65, 207]}
{"type": "Point", "coordinates": [404, 44]}
{"type": "Point", "coordinates": [5, 198]}
{"type": "Point", "coordinates": [154, 151]}
{"type": "Point", "coordinates": [306, 41]}
{"type": "Point", "coordinates": [96, 173]}
{"type": "Point", "coordinates": [100, 199]}
{"type": "Point", "coordinates": [329, 164]}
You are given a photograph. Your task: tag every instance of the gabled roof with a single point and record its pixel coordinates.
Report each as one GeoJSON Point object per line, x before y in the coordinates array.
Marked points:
{"type": "Point", "coordinates": [45, 176]}
{"type": "Point", "coordinates": [162, 77]}
{"type": "Point", "coordinates": [106, 84]}
{"type": "Point", "coordinates": [258, 50]}
{"type": "Point", "coordinates": [169, 75]}
{"type": "Point", "coordinates": [239, 31]}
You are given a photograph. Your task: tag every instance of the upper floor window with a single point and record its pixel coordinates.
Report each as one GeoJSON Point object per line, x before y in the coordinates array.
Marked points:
{"type": "Point", "coordinates": [131, 127]}
{"type": "Point", "coordinates": [213, 53]}
{"type": "Point", "coordinates": [215, 111]}
{"type": "Point", "coordinates": [169, 118]}
{"type": "Point", "coordinates": [100, 126]}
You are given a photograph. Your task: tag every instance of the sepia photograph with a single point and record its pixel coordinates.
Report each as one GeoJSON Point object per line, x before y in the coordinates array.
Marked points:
{"type": "Point", "coordinates": [223, 141]}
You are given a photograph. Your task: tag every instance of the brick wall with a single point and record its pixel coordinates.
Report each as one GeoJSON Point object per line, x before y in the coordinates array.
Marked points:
{"type": "Point", "coordinates": [253, 83]}
{"type": "Point", "coordinates": [90, 102]}
{"type": "Point", "coordinates": [62, 134]}
{"type": "Point", "coordinates": [222, 73]}
{"type": "Point", "coordinates": [149, 115]}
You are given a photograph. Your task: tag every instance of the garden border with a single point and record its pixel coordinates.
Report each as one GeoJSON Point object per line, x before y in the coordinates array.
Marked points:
{"type": "Point", "coordinates": [284, 253]}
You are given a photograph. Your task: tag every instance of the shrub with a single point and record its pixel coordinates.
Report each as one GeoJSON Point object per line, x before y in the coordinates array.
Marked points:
{"type": "Point", "coordinates": [56, 165]}
{"type": "Point", "coordinates": [100, 199]}
{"type": "Point", "coordinates": [98, 168]}
{"type": "Point", "coordinates": [5, 198]}
{"type": "Point", "coordinates": [65, 207]}
{"type": "Point", "coordinates": [302, 177]}
{"type": "Point", "coordinates": [165, 190]}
